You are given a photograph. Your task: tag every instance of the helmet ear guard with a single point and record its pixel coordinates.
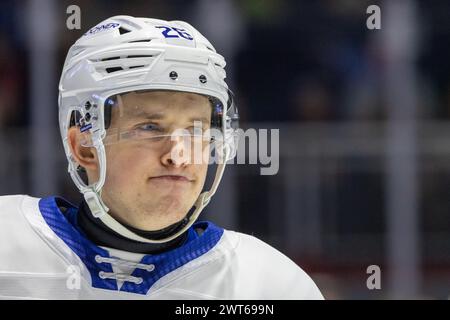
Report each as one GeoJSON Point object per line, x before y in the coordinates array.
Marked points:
{"type": "Point", "coordinates": [106, 62]}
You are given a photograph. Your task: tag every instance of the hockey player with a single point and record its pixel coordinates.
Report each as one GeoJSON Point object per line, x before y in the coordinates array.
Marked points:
{"type": "Point", "coordinates": [131, 95]}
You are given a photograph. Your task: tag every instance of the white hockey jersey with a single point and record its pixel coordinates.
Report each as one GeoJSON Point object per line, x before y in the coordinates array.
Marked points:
{"type": "Point", "coordinates": [44, 255]}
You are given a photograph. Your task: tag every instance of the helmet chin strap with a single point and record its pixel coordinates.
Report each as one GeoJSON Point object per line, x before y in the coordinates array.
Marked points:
{"type": "Point", "coordinates": [100, 210]}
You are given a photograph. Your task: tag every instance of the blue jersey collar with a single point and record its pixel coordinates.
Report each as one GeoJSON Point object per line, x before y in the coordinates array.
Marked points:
{"type": "Point", "coordinates": [65, 228]}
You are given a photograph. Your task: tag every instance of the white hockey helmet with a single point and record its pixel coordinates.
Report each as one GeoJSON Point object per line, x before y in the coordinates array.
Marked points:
{"type": "Point", "coordinates": [124, 54]}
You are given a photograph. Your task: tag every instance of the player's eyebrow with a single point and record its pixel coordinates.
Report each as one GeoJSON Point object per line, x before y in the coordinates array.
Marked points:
{"type": "Point", "coordinates": [142, 114]}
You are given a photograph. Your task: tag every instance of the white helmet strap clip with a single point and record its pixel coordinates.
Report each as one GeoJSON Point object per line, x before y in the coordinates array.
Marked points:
{"type": "Point", "coordinates": [95, 203]}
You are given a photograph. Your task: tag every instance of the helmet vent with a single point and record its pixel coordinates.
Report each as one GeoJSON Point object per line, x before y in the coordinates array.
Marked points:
{"type": "Point", "coordinates": [122, 30]}
{"type": "Point", "coordinates": [113, 69]}
{"type": "Point", "coordinates": [140, 56]}
{"type": "Point", "coordinates": [109, 65]}
{"type": "Point", "coordinates": [110, 58]}
{"type": "Point", "coordinates": [145, 40]}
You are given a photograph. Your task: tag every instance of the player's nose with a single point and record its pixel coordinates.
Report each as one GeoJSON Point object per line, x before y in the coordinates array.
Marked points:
{"type": "Point", "coordinates": [176, 153]}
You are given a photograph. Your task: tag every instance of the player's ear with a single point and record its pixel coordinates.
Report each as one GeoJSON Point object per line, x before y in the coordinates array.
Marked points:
{"type": "Point", "coordinates": [85, 156]}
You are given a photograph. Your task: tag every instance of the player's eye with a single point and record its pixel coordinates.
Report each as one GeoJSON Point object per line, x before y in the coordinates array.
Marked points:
{"type": "Point", "coordinates": [149, 127]}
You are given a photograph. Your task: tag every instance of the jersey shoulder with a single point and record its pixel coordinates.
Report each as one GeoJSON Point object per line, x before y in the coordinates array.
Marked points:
{"type": "Point", "coordinates": [12, 217]}
{"type": "Point", "coordinates": [22, 248]}
{"type": "Point", "coordinates": [266, 268]}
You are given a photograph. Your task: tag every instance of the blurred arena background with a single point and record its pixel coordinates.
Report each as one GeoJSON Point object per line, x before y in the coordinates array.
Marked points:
{"type": "Point", "coordinates": [364, 119]}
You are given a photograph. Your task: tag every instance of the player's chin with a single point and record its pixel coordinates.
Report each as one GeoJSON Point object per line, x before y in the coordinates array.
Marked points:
{"type": "Point", "coordinates": [176, 207]}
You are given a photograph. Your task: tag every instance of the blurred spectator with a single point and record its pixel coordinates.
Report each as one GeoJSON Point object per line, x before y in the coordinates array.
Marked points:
{"type": "Point", "coordinates": [312, 101]}
{"type": "Point", "coordinates": [11, 85]}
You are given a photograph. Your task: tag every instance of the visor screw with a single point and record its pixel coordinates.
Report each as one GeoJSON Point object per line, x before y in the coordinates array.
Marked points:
{"type": "Point", "coordinates": [173, 75]}
{"type": "Point", "coordinates": [87, 105]}
{"type": "Point", "coordinates": [202, 79]}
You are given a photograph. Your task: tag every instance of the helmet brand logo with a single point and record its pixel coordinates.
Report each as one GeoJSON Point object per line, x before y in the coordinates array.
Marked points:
{"type": "Point", "coordinates": [102, 27]}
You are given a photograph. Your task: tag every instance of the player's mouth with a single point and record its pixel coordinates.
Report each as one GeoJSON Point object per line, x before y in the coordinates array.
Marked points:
{"type": "Point", "coordinates": [171, 178]}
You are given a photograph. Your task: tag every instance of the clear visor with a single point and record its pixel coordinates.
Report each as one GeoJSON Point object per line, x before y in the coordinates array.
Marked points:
{"type": "Point", "coordinates": [157, 118]}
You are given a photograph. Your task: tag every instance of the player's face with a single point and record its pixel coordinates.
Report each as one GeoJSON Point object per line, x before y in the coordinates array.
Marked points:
{"type": "Point", "coordinates": [148, 185]}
